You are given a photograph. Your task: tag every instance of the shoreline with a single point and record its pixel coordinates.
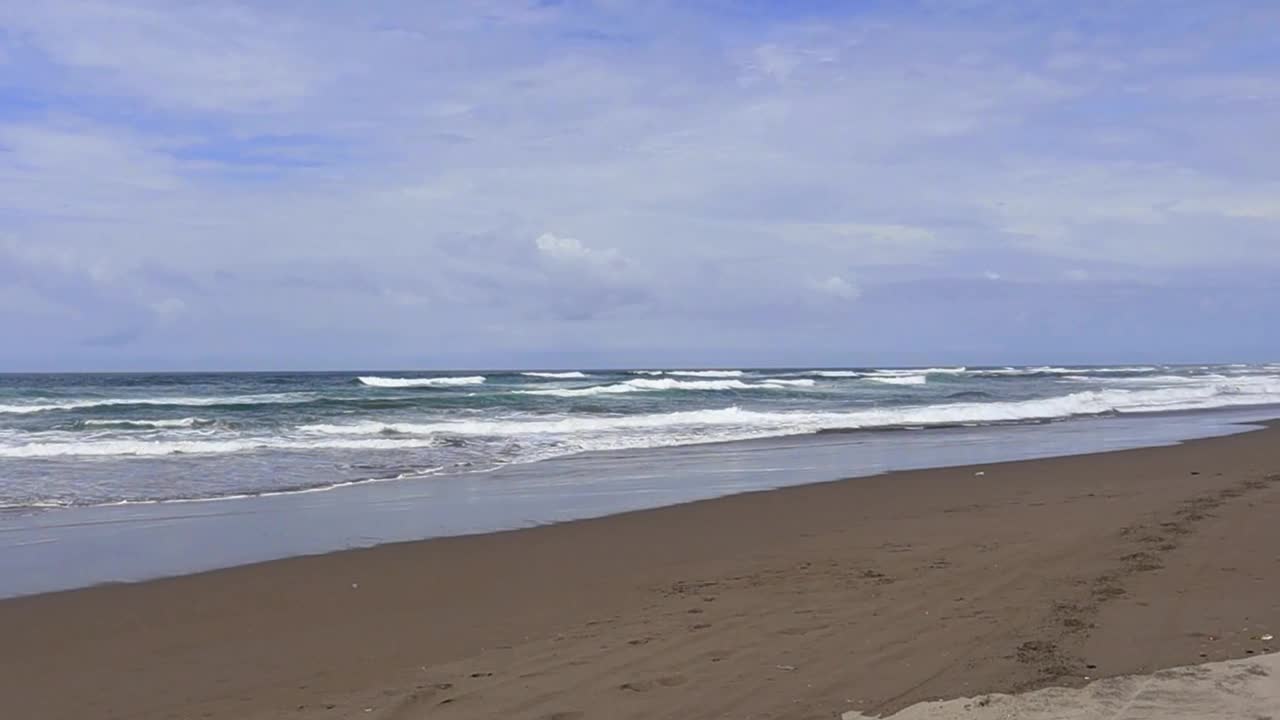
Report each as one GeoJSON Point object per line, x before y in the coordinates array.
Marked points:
{"type": "Point", "coordinates": [880, 591]}
{"type": "Point", "coordinates": [68, 548]}
{"type": "Point", "coordinates": [1256, 414]}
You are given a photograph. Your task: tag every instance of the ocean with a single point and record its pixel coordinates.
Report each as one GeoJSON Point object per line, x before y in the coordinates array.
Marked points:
{"type": "Point", "coordinates": [105, 439]}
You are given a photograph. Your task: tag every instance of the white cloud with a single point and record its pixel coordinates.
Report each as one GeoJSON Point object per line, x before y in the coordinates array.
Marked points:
{"type": "Point", "coordinates": [561, 248]}
{"type": "Point", "coordinates": [571, 251]}
{"type": "Point", "coordinates": [838, 287]}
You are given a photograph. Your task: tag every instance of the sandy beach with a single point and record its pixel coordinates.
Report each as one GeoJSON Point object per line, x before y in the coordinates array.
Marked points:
{"type": "Point", "coordinates": [863, 595]}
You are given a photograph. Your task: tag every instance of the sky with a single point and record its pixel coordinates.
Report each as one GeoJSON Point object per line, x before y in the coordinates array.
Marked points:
{"type": "Point", "coordinates": [302, 185]}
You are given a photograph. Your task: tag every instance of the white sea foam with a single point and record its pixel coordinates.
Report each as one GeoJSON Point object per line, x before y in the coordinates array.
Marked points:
{"type": "Point", "coordinates": [555, 425]}
{"type": "Point", "coordinates": [424, 472]}
{"type": "Point", "coordinates": [900, 379]}
{"type": "Point", "coordinates": [707, 373]}
{"type": "Point", "coordinates": [151, 448]}
{"type": "Point", "coordinates": [580, 433]}
{"type": "Point", "coordinates": [1016, 371]}
{"type": "Point", "coordinates": [912, 372]}
{"type": "Point", "coordinates": [798, 382]}
{"type": "Point", "coordinates": [388, 382]}
{"type": "Point", "coordinates": [1054, 370]}
{"type": "Point", "coordinates": [585, 426]}
{"type": "Point", "coordinates": [752, 423]}
{"type": "Point", "coordinates": [33, 504]}
{"type": "Point", "coordinates": [652, 385]}
{"type": "Point", "coordinates": [420, 473]}
{"type": "Point", "coordinates": [691, 373]}
{"type": "Point", "coordinates": [574, 374]}
{"type": "Point", "coordinates": [1158, 380]}
{"type": "Point", "coordinates": [187, 422]}
{"type": "Point", "coordinates": [834, 373]}
{"type": "Point", "coordinates": [56, 405]}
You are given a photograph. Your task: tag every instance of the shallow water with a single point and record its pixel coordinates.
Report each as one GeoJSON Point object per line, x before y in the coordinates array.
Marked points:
{"type": "Point", "coordinates": [43, 550]}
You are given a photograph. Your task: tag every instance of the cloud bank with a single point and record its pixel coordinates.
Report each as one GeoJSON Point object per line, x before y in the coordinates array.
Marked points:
{"type": "Point", "coordinates": [526, 183]}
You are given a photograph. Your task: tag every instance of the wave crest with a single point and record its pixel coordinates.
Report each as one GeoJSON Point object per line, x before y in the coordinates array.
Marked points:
{"type": "Point", "coordinates": [656, 385]}
{"type": "Point", "coordinates": [389, 382]}
{"type": "Point", "coordinates": [80, 404]}
{"type": "Point", "coordinates": [604, 432]}
{"type": "Point", "coordinates": [152, 448]}
{"type": "Point", "coordinates": [570, 375]}
{"type": "Point", "coordinates": [692, 373]}
{"type": "Point", "coordinates": [899, 379]}
{"type": "Point", "coordinates": [740, 423]}
{"type": "Point", "coordinates": [188, 422]}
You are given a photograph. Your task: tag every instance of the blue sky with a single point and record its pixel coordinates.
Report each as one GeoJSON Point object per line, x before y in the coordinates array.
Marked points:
{"type": "Point", "coordinates": [496, 184]}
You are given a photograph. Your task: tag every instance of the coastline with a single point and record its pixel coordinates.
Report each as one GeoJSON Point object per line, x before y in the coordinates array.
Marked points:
{"type": "Point", "coordinates": [866, 594]}
{"type": "Point", "coordinates": [60, 549]}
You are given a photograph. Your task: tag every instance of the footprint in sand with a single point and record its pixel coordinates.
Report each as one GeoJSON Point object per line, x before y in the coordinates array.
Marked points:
{"type": "Point", "coordinates": [647, 685]}
{"type": "Point", "coordinates": [801, 630]}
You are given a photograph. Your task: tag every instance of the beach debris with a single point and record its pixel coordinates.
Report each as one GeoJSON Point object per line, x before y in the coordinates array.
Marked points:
{"type": "Point", "coordinates": [1266, 638]}
{"type": "Point", "coordinates": [786, 668]}
{"type": "Point", "coordinates": [355, 586]}
{"type": "Point", "coordinates": [980, 473]}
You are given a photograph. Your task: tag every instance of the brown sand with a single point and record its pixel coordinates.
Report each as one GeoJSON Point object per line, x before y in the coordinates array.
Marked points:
{"type": "Point", "coordinates": [807, 602]}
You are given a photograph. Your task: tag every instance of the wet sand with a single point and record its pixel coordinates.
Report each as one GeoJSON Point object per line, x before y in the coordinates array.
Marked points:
{"type": "Point", "coordinates": [863, 595]}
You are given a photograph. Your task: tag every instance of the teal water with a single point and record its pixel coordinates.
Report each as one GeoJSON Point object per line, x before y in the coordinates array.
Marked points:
{"type": "Point", "coordinates": [73, 440]}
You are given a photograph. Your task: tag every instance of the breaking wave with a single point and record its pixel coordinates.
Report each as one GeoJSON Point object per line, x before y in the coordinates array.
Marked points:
{"type": "Point", "coordinates": [598, 432]}
{"type": "Point", "coordinates": [692, 373]}
{"type": "Point", "coordinates": [707, 373]}
{"type": "Point", "coordinates": [571, 375]}
{"type": "Point", "coordinates": [387, 382]}
{"type": "Point", "coordinates": [801, 382]}
{"type": "Point", "coordinates": [655, 385]}
{"type": "Point", "coordinates": [146, 448]}
{"type": "Point", "coordinates": [753, 423]}
{"type": "Point", "coordinates": [188, 422]}
{"type": "Point", "coordinates": [227, 400]}
{"type": "Point", "coordinates": [899, 379]}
